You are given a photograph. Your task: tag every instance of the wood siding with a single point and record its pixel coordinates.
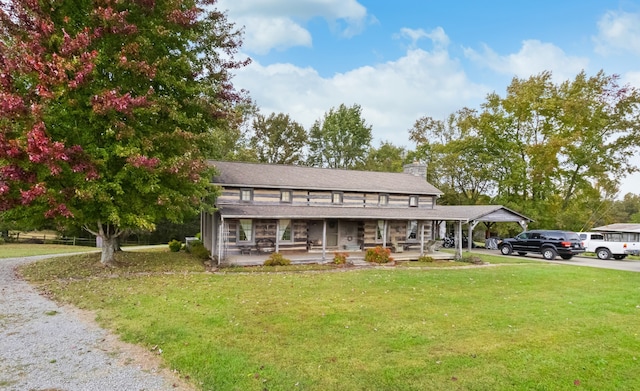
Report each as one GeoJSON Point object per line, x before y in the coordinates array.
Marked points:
{"type": "Point", "coordinates": [231, 196]}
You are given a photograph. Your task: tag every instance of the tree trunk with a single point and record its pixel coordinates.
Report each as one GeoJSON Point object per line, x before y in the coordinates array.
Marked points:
{"type": "Point", "coordinates": [109, 245]}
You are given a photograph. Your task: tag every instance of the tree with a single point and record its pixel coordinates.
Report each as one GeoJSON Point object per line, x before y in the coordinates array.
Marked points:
{"type": "Point", "coordinates": [109, 110]}
{"type": "Point", "coordinates": [278, 139]}
{"type": "Point", "coordinates": [555, 152]}
{"type": "Point", "coordinates": [340, 140]}
{"type": "Point", "coordinates": [563, 148]}
{"type": "Point", "coordinates": [462, 164]}
{"type": "Point", "coordinates": [387, 158]}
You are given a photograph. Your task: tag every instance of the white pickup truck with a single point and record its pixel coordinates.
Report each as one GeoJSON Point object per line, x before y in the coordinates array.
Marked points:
{"type": "Point", "coordinates": [601, 244]}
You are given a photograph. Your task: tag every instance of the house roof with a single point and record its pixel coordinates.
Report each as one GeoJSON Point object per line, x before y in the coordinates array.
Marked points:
{"type": "Point", "coordinates": [449, 213]}
{"type": "Point", "coordinates": [239, 174]}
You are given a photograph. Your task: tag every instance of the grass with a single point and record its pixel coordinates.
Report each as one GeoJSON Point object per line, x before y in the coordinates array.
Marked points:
{"type": "Point", "coordinates": [12, 250]}
{"type": "Point", "coordinates": [528, 326]}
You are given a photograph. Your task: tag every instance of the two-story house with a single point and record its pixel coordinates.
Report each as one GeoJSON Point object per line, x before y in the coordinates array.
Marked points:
{"type": "Point", "coordinates": [265, 207]}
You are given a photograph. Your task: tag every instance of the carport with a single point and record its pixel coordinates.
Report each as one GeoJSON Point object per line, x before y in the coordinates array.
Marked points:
{"type": "Point", "coordinates": [474, 214]}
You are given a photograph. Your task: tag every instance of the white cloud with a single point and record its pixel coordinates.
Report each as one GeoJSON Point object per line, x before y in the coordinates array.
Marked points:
{"type": "Point", "coordinates": [393, 95]}
{"type": "Point", "coordinates": [437, 36]}
{"type": "Point", "coordinates": [533, 58]}
{"type": "Point", "coordinates": [263, 35]}
{"type": "Point", "coordinates": [279, 24]}
{"type": "Point", "coordinates": [618, 32]}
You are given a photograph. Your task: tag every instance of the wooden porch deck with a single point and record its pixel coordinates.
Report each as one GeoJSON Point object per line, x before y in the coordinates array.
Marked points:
{"type": "Point", "coordinates": [355, 257]}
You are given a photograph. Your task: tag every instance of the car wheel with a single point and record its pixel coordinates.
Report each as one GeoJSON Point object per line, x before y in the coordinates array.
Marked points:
{"type": "Point", "coordinates": [603, 253]}
{"type": "Point", "coordinates": [506, 249]}
{"type": "Point", "coordinates": [522, 253]}
{"type": "Point", "coordinates": [566, 257]}
{"type": "Point", "coordinates": [549, 254]}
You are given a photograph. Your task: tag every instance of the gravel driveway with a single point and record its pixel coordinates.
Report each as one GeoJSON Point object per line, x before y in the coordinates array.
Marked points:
{"type": "Point", "coordinates": [44, 346]}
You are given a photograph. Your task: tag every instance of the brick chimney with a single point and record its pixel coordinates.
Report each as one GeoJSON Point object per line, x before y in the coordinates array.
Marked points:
{"type": "Point", "coordinates": [416, 169]}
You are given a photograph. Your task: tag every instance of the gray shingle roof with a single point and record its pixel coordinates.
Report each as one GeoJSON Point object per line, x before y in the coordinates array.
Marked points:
{"type": "Point", "coordinates": [257, 175]}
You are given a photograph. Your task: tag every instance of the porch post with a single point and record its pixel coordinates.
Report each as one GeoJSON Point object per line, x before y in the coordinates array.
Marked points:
{"type": "Point", "coordinates": [324, 240]}
{"type": "Point", "coordinates": [421, 238]}
{"type": "Point", "coordinates": [277, 235]}
{"type": "Point", "coordinates": [472, 226]}
{"type": "Point", "coordinates": [459, 241]}
{"type": "Point", "coordinates": [384, 234]}
{"type": "Point", "coordinates": [523, 224]}
{"type": "Point", "coordinates": [220, 238]}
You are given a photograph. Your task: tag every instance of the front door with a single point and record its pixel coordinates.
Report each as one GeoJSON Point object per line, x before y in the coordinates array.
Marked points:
{"type": "Point", "coordinates": [349, 235]}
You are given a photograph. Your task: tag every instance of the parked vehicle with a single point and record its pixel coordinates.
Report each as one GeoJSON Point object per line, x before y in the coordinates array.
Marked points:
{"type": "Point", "coordinates": [549, 243]}
{"type": "Point", "coordinates": [609, 244]}
{"type": "Point", "coordinates": [449, 241]}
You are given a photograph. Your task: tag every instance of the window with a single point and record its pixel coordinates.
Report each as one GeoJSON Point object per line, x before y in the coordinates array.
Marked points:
{"type": "Point", "coordinates": [412, 230]}
{"type": "Point", "coordinates": [285, 196]}
{"type": "Point", "coordinates": [380, 231]}
{"type": "Point", "coordinates": [383, 199]}
{"type": "Point", "coordinates": [245, 230]}
{"type": "Point", "coordinates": [284, 231]}
{"type": "Point", "coordinates": [336, 198]}
{"type": "Point", "coordinates": [246, 195]}
{"type": "Point", "coordinates": [413, 200]}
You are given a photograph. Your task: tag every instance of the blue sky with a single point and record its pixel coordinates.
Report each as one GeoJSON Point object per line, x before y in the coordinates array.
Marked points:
{"type": "Point", "coordinates": [401, 60]}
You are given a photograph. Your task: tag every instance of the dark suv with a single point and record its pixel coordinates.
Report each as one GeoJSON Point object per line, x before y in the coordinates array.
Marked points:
{"type": "Point", "coordinates": [549, 243]}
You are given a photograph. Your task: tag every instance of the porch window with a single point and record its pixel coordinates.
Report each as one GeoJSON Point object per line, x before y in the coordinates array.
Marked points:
{"type": "Point", "coordinates": [336, 198]}
{"type": "Point", "coordinates": [383, 199]}
{"type": "Point", "coordinates": [412, 230]}
{"type": "Point", "coordinates": [380, 231]}
{"type": "Point", "coordinates": [246, 195]}
{"type": "Point", "coordinates": [285, 196]}
{"type": "Point", "coordinates": [413, 200]}
{"type": "Point", "coordinates": [284, 232]}
{"type": "Point", "coordinates": [245, 230]}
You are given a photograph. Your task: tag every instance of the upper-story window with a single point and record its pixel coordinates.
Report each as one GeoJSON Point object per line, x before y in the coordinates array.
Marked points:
{"type": "Point", "coordinates": [413, 200]}
{"type": "Point", "coordinates": [285, 196]}
{"type": "Point", "coordinates": [383, 199]}
{"type": "Point", "coordinates": [246, 195]}
{"type": "Point", "coordinates": [336, 198]}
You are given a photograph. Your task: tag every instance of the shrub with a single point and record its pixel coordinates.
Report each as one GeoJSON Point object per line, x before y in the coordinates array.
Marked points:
{"type": "Point", "coordinates": [378, 254]}
{"type": "Point", "coordinates": [1, 240]}
{"type": "Point", "coordinates": [193, 243]}
{"type": "Point", "coordinates": [471, 259]}
{"type": "Point", "coordinates": [426, 258]}
{"type": "Point", "coordinates": [340, 258]}
{"type": "Point", "coordinates": [198, 250]}
{"type": "Point", "coordinates": [175, 246]}
{"type": "Point", "coordinates": [276, 259]}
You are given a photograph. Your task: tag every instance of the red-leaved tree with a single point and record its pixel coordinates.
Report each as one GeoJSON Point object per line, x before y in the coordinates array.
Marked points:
{"type": "Point", "coordinates": [109, 109]}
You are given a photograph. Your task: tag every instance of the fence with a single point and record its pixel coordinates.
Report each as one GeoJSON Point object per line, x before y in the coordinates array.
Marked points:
{"type": "Point", "coordinates": [69, 241]}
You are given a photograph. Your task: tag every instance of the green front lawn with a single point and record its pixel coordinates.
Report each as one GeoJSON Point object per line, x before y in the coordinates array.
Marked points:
{"type": "Point", "coordinates": [14, 250]}
{"type": "Point", "coordinates": [524, 326]}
